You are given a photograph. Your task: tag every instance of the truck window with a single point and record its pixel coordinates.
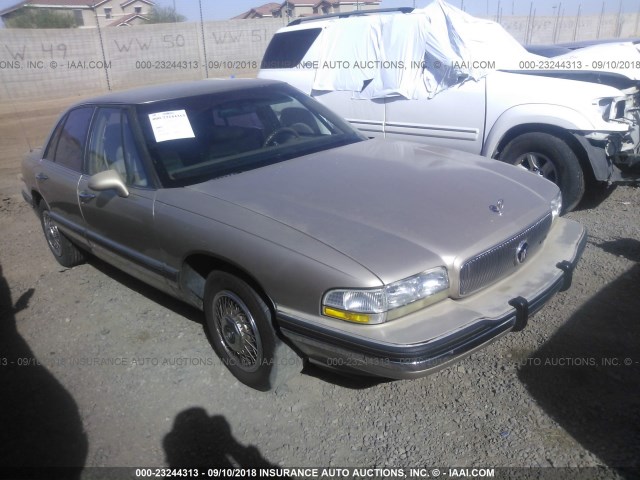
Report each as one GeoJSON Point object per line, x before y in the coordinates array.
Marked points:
{"type": "Point", "coordinates": [287, 49]}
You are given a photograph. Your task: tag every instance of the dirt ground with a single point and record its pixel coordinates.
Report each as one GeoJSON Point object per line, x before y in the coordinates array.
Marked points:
{"type": "Point", "coordinates": [98, 369]}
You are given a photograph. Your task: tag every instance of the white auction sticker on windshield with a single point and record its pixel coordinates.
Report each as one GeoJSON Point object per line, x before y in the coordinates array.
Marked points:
{"type": "Point", "coordinates": [172, 125]}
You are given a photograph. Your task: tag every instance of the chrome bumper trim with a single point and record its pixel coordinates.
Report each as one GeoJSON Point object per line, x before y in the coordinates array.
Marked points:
{"type": "Point", "coordinates": [346, 352]}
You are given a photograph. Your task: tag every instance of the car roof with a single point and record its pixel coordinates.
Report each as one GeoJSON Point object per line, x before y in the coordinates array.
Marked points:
{"type": "Point", "coordinates": [171, 91]}
{"type": "Point", "coordinates": [354, 13]}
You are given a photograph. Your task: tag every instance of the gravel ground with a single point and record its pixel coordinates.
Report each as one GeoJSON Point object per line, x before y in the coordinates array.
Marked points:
{"type": "Point", "coordinates": [120, 375]}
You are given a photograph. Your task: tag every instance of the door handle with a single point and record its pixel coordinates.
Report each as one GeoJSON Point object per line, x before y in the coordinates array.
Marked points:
{"type": "Point", "coordinates": [41, 176]}
{"type": "Point", "coordinates": [86, 196]}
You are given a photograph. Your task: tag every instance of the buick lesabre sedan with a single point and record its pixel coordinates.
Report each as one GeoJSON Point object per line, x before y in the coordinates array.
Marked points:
{"type": "Point", "coordinates": [297, 235]}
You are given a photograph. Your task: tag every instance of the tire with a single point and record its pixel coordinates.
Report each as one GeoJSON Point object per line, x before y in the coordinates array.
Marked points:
{"type": "Point", "coordinates": [242, 335]}
{"type": "Point", "coordinates": [65, 252]}
{"type": "Point", "coordinates": [551, 158]}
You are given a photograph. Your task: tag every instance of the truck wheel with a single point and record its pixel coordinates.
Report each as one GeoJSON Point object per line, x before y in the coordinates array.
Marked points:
{"type": "Point", "coordinates": [242, 334]}
{"type": "Point", "coordinates": [550, 157]}
{"type": "Point", "coordinates": [66, 253]}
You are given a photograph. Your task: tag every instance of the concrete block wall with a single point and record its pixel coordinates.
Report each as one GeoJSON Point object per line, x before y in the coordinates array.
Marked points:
{"type": "Point", "coordinates": [552, 29]}
{"type": "Point", "coordinates": [63, 63]}
{"type": "Point", "coordinates": [34, 63]}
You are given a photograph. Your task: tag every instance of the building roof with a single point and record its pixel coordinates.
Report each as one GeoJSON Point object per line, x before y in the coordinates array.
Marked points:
{"type": "Point", "coordinates": [64, 4]}
{"type": "Point", "coordinates": [129, 2]}
{"type": "Point", "coordinates": [124, 21]}
{"type": "Point", "coordinates": [265, 10]}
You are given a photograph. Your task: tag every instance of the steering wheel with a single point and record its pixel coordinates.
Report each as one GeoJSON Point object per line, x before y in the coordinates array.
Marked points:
{"type": "Point", "coordinates": [271, 139]}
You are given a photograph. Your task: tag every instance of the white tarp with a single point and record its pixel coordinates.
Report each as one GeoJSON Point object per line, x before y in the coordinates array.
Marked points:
{"type": "Point", "coordinates": [414, 55]}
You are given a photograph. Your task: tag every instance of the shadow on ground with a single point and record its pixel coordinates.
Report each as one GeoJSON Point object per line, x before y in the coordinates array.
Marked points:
{"type": "Point", "coordinates": [595, 195]}
{"type": "Point", "coordinates": [176, 306]}
{"type": "Point", "coordinates": [587, 376]}
{"type": "Point", "coordinates": [353, 381]}
{"type": "Point", "coordinates": [40, 426]}
{"type": "Point", "coordinates": [199, 441]}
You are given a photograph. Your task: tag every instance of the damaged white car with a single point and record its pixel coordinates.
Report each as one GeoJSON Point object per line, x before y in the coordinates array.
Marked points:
{"type": "Point", "coordinates": [439, 76]}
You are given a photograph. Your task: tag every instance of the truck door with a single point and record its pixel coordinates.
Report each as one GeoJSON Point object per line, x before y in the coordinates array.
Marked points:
{"type": "Point", "coordinates": [453, 118]}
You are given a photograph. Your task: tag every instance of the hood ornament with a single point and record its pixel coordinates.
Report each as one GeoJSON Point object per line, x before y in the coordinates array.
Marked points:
{"type": "Point", "coordinates": [498, 207]}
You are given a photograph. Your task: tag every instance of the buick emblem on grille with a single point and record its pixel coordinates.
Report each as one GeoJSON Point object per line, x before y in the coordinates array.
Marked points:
{"type": "Point", "coordinates": [521, 251]}
{"type": "Point", "coordinates": [498, 207]}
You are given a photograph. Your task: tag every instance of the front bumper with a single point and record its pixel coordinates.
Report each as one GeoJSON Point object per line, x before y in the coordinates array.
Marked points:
{"type": "Point", "coordinates": [474, 321]}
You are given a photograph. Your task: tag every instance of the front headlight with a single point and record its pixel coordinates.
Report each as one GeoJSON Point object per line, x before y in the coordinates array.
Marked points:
{"type": "Point", "coordinates": [377, 305]}
{"type": "Point", "coordinates": [611, 108]}
{"type": "Point", "coordinates": [556, 206]}
{"type": "Point", "coordinates": [604, 107]}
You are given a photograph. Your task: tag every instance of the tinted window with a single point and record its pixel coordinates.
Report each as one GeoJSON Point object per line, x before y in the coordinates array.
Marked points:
{"type": "Point", "coordinates": [194, 139]}
{"type": "Point", "coordinates": [112, 147]}
{"type": "Point", "coordinates": [49, 154]}
{"type": "Point", "coordinates": [287, 49]}
{"type": "Point", "coordinates": [72, 139]}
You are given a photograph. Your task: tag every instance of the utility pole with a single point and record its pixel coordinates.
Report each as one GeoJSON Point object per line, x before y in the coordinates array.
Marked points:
{"type": "Point", "coordinates": [600, 21]}
{"type": "Point", "coordinates": [575, 27]}
{"type": "Point", "coordinates": [619, 21]}
{"type": "Point", "coordinates": [204, 42]}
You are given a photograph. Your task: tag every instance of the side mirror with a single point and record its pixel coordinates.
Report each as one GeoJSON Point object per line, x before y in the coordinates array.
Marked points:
{"type": "Point", "coordinates": [108, 180]}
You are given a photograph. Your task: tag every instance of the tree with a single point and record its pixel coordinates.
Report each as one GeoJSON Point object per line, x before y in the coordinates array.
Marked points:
{"type": "Point", "coordinates": [40, 18]}
{"type": "Point", "coordinates": [164, 15]}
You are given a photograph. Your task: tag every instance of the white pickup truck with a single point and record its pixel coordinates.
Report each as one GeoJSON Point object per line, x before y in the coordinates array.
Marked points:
{"type": "Point", "coordinates": [574, 128]}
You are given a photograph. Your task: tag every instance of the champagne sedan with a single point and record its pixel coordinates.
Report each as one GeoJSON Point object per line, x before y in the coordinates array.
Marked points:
{"type": "Point", "coordinates": [297, 236]}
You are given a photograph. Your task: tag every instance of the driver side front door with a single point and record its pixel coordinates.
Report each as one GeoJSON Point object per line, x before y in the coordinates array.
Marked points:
{"type": "Point", "coordinates": [120, 229]}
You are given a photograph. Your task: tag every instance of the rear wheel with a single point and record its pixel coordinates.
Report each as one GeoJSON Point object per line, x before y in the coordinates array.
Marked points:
{"type": "Point", "coordinates": [242, 334]}
{"type": "Point", "coordinates": [65, 252]}
{"type": "Point", "coordinates": [550, 157]}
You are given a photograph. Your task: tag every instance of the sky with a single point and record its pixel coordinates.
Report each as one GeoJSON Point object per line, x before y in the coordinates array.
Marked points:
{"type": "Point", "coordinates": [221, 10]}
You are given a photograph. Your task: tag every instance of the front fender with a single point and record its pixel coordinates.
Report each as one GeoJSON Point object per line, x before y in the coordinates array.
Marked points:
{"type": "Point", "coordinates": [520, 116]}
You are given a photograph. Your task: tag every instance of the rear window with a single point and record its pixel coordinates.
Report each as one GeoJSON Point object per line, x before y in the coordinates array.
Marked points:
{"type": "Point", "coordinates": [287, 49]}
{"type": "Point", "coordinates": [73, 136]}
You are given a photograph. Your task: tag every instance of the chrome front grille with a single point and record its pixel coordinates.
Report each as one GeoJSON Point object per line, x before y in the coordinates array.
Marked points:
{"type": "Point", "coordinates": [499, 261]}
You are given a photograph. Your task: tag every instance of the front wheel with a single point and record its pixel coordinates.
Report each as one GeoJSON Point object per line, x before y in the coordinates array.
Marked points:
{"type": "Point", "coordinates": [550, 157]}
{"type": "Point", "coordinates": [65, 252]}
{"type": "Point", "coordinates": [242, 334]}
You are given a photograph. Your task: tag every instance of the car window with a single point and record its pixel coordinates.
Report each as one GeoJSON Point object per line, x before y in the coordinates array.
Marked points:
{"type": "Point", "coordinates": [194, 139]}
{"type": "Point", "coordinates": [50, 151]}
{"type": "Point", "coordinates": [70, 146]}
{"type": "Point", "coordinates": [287, 49]}
{"type": "Point", "coordinates": [113, 147]}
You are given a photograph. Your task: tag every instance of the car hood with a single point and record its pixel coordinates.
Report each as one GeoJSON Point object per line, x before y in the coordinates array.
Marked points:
{"type": "Point", "coordinates": [396, 208]}
{"type": "Point", "coordinates": [621, 58]}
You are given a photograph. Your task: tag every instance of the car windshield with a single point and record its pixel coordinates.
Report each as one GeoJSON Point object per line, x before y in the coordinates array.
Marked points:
{"type": "Point", "coordinates": [194, 139]}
